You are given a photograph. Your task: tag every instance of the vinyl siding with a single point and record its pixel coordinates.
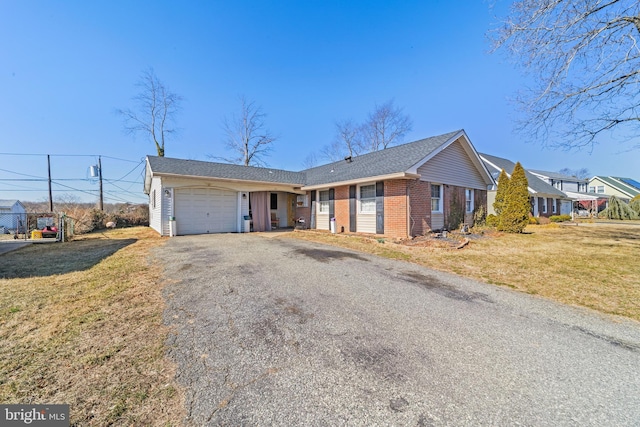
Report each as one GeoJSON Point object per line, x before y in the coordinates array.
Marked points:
{"type": "Point", "coordinates": [155, 213]}
{"type": "Point", "coordinates": [454, 167]}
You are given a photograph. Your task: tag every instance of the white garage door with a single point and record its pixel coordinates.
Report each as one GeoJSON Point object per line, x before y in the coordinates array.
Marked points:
{"type": "Point", "coordinates": [203, 210]}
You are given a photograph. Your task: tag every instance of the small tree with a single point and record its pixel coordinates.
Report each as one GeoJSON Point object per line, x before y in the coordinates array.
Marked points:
{"type": "Point", "coordinates": [501, 192]}
{"type": "Point", "coordinates": [618, 210]}
{"type": "Point", "coordinates": [515, 210]}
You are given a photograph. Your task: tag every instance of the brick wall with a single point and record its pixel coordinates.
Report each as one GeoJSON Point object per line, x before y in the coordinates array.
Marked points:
{"type": "Point", "coordinates": [305, 212]}
{"type": "Point", "coordinates": [341, 205]}
{"type": "Point", "coordinates": [420, 207]}
{"type": "Point", "coordinates": [395, 208]}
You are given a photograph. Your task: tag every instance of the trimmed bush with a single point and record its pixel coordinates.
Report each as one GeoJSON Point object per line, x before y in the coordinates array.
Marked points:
{"type": "Point", "coordinates": [559, 218]}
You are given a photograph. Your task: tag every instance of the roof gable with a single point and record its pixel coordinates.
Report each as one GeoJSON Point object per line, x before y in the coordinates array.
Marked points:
{"type": "Point", "coordinates": [623, 185]}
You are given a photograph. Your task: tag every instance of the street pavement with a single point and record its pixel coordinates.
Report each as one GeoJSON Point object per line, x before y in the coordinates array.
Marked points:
{"type": "Point", "coordinates": [281, 332]}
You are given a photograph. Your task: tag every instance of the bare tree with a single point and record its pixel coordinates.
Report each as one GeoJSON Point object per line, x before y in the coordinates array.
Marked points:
{"type": "Point", "coordinates": [386, 125]}
{"type": "Point", "coordinates": [310, 161]}
{"type": "Point", "coordinates": [584, 58]}
{"type": "Point", "coordinates": [247, 135]}
{"type": "Point", "coordinates": [582, 173]}
{"type": "Point", "coordinates": [155, 111]}
{"type": "Point", "coordinates": [346, 143]}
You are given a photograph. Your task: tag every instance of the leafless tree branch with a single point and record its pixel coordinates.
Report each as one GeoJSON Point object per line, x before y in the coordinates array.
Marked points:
{"type": "Point", "coordinates": [584, 58]}
{"type": "Point", "coordinates": [247, 135]}
{"type": "Point", "coordinates": [155, 111]}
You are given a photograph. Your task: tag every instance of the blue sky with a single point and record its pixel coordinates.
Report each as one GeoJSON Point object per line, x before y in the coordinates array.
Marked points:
{"type": "Point", "coordinates": [66, 66]}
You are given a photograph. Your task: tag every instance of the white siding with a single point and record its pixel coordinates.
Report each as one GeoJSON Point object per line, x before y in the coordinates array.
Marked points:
{"type": "Point", "coordinates": [437, 221]}
{"type": "Point", "coordinates": [322, 221]}
{"type": "Point", "coordinates": [366, 223]}
{"type": "Point", "coordinates": [244, 209]}
{"type": "Point", "coordinates": [155, 212]}
{"type": "Point", "coordinates": [454, 167]}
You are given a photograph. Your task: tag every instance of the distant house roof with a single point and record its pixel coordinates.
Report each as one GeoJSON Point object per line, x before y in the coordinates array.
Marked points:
{"type": "Point", "coordinates": [536, 185]}
{"type": "Point", "coordinates": [627, 186]}
{"type": "Point", "coordinates": [558, 176]}
{"type": "Point", "coordinates": [394, 162]}
{"type": "Point", "coordinates": [10, 203]}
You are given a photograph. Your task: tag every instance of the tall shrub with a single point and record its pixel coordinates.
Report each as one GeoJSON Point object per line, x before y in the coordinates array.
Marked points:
{"type": "Point", "coordinates": [501, 192]}
{"type": "Point", "coordinates": [514, 216]}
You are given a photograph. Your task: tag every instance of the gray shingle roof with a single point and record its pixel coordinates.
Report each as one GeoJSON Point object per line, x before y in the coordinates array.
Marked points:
{"type": "Point", "coordinates": [397, 159]}
{"type": "Point", "coordinates": [167, 165]}
{"type": "Point", "coordinates": [535, 183]}
{"type": "Point", "coordinates": [558, 176]}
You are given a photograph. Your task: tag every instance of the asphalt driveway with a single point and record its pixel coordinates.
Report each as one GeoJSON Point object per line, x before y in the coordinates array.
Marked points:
{"type": "Point", "coordinates": [274, 331]}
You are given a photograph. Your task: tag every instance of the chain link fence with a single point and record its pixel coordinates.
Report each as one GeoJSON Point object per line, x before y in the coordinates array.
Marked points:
{"type": "Point", "coordinates": [23, 226]}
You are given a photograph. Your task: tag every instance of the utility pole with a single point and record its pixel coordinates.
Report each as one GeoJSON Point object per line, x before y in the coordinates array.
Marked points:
{"type": "Point", "coordinates": [100, 175]}
{"type": "Point", "coordinates": [50, 194]}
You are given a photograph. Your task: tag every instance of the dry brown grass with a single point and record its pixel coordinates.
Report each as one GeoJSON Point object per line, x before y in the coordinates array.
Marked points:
{"type": "Point", "coordinates": [590, 265]}
{"type": "Point", "coordinates": [81, 323]}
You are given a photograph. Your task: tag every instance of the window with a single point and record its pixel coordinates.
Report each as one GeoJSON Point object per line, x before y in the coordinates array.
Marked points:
{"type": "Point", "coordinates": [368, 198]}
{"type": "Point", "coordinates": [601, 189]}
{"type": "Point", "coordinates": [544, 205]}
{"type": "Point", "coordinates": [323, 202]}
{"type": "Point", "coordinates": [553, 205]}
{"type": "Point", "coordinates": [274, 201]}
{"type": "Point", "coordinates": [468, 199]}
{"type": "Point", "coordinates": [153, 199]}
{"type": "Point", "coordinates": [592, 189]}
{"type": "Point", "coordinates": [436, 198]}
{"type": "Point", "coordinates": [302, 201]}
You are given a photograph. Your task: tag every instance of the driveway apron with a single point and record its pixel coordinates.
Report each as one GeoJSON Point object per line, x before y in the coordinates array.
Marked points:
{"type": "Point", "coordinates": [280, 332]}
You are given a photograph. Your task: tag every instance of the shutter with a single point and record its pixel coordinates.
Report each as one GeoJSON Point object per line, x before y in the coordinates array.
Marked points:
{"type": "Point", "coordinates": [352, 208]}
{"type": "Point", "coordinates": [380, 207]}
{"type": "Point", "coordinates": [332, 209]}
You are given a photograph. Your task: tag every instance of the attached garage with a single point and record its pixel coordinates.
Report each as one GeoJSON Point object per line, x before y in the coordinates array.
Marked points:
{"type": "Point", "coordinates": [206, 210]}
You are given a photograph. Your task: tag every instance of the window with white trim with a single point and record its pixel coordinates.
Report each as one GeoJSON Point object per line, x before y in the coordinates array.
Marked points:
{"type": "Point", "coordinates": [323, 202]}
{"type": "Point", "coordinates": [553, 205]}
{"type": "Point", "coordinates": [436, 198]}
{"type": "Point", "coordinates": [592, 189]}
{"type": "Point", "coordinates": [468, 199]}
{"type": "Point", "coordinates": [544, 205]}
{"type": "Point", "coordinates": [368, 198]}
{"type": "Point", "coordinates": [600, 189]}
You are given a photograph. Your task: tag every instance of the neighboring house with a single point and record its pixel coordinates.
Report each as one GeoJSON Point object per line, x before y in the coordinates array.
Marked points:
{"type": "Point", "coordinates": [401, 191]}
{"type": "Point", "coordinates": [12, 215]}
{"type": "Point", "coordinates": [562, 182]}
{"type": "Point", "coordinates": [576, 189]}
{"type": "Point", "coordinates": [546, 200]}
{"type": "Point", "coordinates": [623, 188]}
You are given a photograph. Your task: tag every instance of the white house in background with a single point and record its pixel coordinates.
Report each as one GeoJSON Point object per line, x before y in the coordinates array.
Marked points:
{"type": "Point", "coordinates": [12, 214]}
{"type": "Point", "coordinates": [546, 200]}
{"type": "Point", "coordinates": [562, 182]}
